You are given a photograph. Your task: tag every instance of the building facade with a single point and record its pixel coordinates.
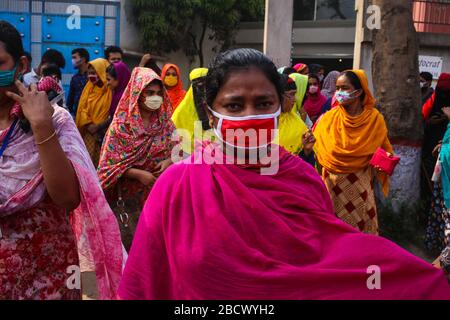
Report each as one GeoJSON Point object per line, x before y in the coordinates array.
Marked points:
{"type": "Point", "coordinates": [64, 25]}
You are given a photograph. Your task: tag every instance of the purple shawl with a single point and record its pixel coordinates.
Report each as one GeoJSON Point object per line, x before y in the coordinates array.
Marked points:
{"type": "Point", "coordinates": [123, 76]}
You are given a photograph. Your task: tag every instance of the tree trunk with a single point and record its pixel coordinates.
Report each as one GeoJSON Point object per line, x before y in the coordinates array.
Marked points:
{"type": "Point", "coordinates": [395, 72]}
{"type": "Point", "coordinates": [201, 41]}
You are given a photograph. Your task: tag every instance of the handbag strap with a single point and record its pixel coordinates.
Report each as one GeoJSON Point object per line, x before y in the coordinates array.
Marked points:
{"type": "Point", "coordinates": [123, 215]}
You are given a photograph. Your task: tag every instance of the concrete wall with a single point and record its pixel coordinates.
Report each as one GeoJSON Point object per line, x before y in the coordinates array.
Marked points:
{"type": "Point", "coordinates": [311, 39]}
{"type": "Point", "coordinates": [129, 34]}
{"type": "Point", "coordinates": [432, 44]}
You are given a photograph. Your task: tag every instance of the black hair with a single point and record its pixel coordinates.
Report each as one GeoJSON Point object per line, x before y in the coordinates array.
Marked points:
{"type": "Point", "coordinates": [54, 56]}
{"type": "Point", "coordinates": [355, 82]}
{"type": "Point", "coordinates": [156, 81]}
{"type": "Point", "coordinates": [83, 53]}
{"type": "Point", "coordinates": [29, 57]}
{"type": "Point", "coordinates": [11, 39]}
{"type": "Point", "coordinates": [51, 69]}
{"type": "Point", "coordinates": [112, 49]}
{"type": "Point", "coordinates": [198, 91]}
{"type": "Point", "coordinates": [288, 71]}
{"type": "Point", "coordinates": [288, 83]}
{"type": "Point", "coordinates": [239, 59]}
{"type": "Point", "coordinates": [111, 71]}
{"type": "Point", "coordinates": [313, 76]}
{"type": "Point", "coordinates": [427, 76]}
{"type": "Point", "coordinates": [315, 68]}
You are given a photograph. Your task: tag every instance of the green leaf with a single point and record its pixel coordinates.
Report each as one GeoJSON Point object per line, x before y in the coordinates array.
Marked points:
{"type": "Point", "coordinates": [166, 25]}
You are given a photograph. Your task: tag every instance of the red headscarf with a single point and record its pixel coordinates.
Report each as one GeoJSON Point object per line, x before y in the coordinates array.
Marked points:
{"type": "Point", "coordinates": [443, 84]}
{"type": "Point", "coordinates": [48, 83]}
{"type": "Point", "coordinates": [314, 103]}
{"type": "Point", "coordinates": [176, 93]}
{"type": "Point", "coordinates": [127, 140]}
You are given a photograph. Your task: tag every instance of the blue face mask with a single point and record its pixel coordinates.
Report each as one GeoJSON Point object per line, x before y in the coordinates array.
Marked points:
{"type": "Point", "coordinates": [7, 77]}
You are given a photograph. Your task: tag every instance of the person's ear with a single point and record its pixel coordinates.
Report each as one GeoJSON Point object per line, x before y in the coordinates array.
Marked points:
{"type": "Point", "coordinates": [208, 113]}
{"type": "Point", "coordinates": [22, 67]}
{"type": "Point", "coordinates": [359, 93]}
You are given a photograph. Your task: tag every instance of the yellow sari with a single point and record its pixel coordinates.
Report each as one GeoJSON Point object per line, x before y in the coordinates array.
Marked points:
{"type": "Point", "coordinates": [93, 108]}
{"type": "Point", "coordinates": [292, 127]}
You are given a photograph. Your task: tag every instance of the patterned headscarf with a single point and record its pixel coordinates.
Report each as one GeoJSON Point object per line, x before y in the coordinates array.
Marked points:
{"type": "Point", "coordinates": [48, 83]}
{"type": "Point", "coordinates": [127, 140]}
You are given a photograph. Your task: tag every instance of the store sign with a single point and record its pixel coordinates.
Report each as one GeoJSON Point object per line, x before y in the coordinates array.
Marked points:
{"type": "Point", "coordinates": [431, 64]}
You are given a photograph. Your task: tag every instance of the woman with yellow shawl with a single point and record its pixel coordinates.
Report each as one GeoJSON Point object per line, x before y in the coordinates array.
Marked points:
{"type": "Point", "coordinates": [292, 127]}
{"type": "Point", "coordinates": [93, 108]}
{"type": "Point", "coordinates": [186, 115]}
{"type": "Point", "coordinates": [347, 137]}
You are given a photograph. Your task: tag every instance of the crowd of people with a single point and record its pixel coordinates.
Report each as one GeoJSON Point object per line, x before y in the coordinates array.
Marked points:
{"type": "Point", "coordinates": [109, 180]}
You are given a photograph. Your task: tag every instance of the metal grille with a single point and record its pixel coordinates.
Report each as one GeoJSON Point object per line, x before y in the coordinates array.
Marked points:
{"type": "Point", "coordinates": [86, 9]}
{"type": "Point", "coordinates": [110, 9]}
{"type": "Point", "coordinates": [36, 52]}
{"type": "Point", "coordinates": [36, 30]}
{"type": "Point", "coordinates": [43, 23]}
{"type": "Point", "coordinates": [432, 16]}
{"type": "Point", "coordinates": [14, 5]}
{"type": "Point", "coordinates": [36, 6]}
{"type": "Point", "coordinates": [110, 35]}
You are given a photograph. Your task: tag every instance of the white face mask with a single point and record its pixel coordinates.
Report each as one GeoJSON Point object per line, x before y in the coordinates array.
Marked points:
{"type": "Point", "coordinates": [153, 102]}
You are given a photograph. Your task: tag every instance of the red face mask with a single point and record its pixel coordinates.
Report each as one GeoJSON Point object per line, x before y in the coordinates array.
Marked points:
{"type": "Point", "coordinates": [249, 132]}
{"type": "Point", "coordinates": [93, 78]}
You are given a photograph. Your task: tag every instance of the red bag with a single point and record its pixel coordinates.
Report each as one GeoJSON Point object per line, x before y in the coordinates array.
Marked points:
{"type": "Point", "coordinates": [384, 161]}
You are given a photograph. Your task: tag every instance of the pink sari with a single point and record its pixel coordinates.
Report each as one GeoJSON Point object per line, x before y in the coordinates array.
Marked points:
{"type": "Point", "coordinates": [224, 232]}
{"type": "Point", "coordinates": [23, 198]}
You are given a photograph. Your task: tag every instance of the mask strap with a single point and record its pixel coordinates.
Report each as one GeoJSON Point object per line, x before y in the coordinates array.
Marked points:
{"type": "Point", "coordinates": [243, 118]}
{"type": "Point", "coordinates": [218, 130]}
{"type": "Point", "coordinates": [57, 98]}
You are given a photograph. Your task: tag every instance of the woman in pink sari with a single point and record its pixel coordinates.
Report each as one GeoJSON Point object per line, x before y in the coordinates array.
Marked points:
{"type": "Point", "coordinates": [54, 220]}
{"type": "Point", "coordinates": [211, 230]}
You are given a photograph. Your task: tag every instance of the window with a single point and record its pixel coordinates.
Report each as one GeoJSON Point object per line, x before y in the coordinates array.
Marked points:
{"type": "Point", "coordinates": [304, 10]}
{"type": "Point", "coordinates": [307, 10]}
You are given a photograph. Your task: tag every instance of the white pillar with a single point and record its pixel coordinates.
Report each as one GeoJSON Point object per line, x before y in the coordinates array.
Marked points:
{"type": "Point", "coordinates": [278, 31]}
{"type": "Point", "coordinates": [359, 33]}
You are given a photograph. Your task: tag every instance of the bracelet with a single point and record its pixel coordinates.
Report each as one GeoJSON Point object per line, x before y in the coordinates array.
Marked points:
{"type": "Point", "coordinates": [445, 260]}
{"type": "Point", "coordinates": [46, 140]}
